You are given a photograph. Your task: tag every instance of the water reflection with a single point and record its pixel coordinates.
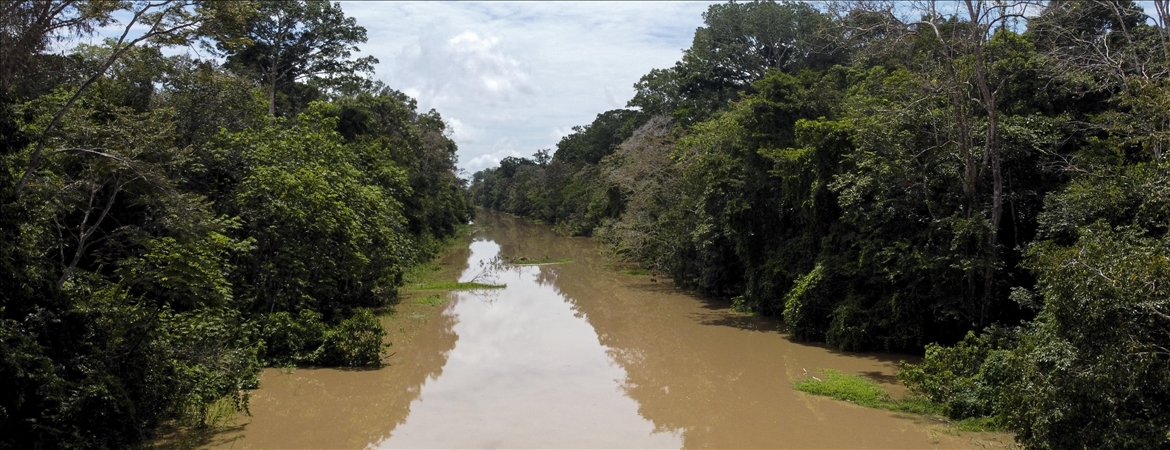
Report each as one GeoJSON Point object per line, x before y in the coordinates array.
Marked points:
{"type": "Point", "coordinates": [578, 355]}
{"type": "Point", "coordinates": [527, 372]}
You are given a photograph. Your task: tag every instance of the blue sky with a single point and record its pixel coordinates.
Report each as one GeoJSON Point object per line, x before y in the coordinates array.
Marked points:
{"type": "Point", "coordinates": [514, 77]}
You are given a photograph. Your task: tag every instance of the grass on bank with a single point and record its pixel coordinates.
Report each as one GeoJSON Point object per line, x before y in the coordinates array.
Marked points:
{"type": "Point", "coordinates": [855, 389]}
{"type": "Point", "coordinates": [637, 272]}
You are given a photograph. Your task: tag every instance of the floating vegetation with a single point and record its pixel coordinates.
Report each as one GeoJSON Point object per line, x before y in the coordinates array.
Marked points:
{"type": "Point", "coordinates": [538, 261]}
{"type": "Point", "coordinates": [426, 277]}
{"type": "Point", "coordinates": [637, 272]}
{"type": "Point", "coordinates": [458, 286]}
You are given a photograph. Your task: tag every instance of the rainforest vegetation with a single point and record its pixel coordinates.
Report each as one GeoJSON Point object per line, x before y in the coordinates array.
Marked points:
{"type": "Point", "coordinates": [981, 182]}
{"type": "Point", "coordinates": [170, 224]}
{"type": "Point", "coordinates": [984, 182]}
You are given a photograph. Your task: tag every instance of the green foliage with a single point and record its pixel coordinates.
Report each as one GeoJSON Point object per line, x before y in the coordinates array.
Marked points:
{"type": "Point", "coordinates": [855, 389]}
{"type": "Point", "coordinates": [850, 388]}
{"type": "Point", "coordinates": [187, 274]}
{"type": "Point", "coordinates": [425, 277]}
{"type": "Point", "coordinates": [304, 182]}
{"type": "Point", "coordinates": [305, 339]}
{"type": "Point", "coordinates": [798, 303]}
{"type": "Point", "coordinates": [963, 379]}
{"type": "Point", "coordinates": [737, 45]}
{"type": "Point", "coordinates": [1093, 368]}
{"type": "Point", "coordinates": [561, 190]}
{"type": "Point", "coordinates": [161, 240]}
{"type": "Point", "coordinates": [356, 341]}
{"type": "Point", "coordinates": [431, 300]}
{"type": "Point", "coordinates": [308, 41]}
{"type": "Point", "coordinates": [395, 141]}
{"type": "Point", "coordinates": [537, 261]}
{"type": "Point", "coordinates": [421, 273]}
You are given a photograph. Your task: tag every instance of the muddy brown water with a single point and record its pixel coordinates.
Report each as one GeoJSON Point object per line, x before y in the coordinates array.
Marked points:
{"type": "Point", "coordinates": [578, 355]}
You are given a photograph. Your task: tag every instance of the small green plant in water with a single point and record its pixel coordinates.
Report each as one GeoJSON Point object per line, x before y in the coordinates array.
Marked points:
{"type": "Point", "coordinates": [637, 272]}
{"type": "Point", "coordinates": [979, 424]}
{"type": "Point", "coordinates": [538, 261]}
{"type": "Point", "coordinates": [431, 300]}
{"type": "Point", "coordinates": [459, 286]}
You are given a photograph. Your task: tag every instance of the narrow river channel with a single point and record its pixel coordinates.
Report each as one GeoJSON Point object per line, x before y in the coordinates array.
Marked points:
{"type": "Point", "coordinates": [579, 355]}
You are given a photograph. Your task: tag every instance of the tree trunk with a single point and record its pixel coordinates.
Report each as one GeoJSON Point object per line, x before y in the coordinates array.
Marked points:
{"type": "Point", "coordinates": [991, 158]}
{"type": "Point", "coordinates": [272, 102]}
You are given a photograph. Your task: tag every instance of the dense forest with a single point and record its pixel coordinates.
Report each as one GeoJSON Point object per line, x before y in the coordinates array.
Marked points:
{"type": "Point", "coordinates": [985, 182]}
{"type": "Point", "coordinates": [169, 225]}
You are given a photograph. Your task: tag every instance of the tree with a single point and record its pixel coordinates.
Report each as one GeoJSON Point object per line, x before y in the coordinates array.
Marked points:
{"type": "Point", "coordinates": [737, 45]}
{"type": "Point", "coordinates": [33, 24]}
{"type": "Point", "coordinates": [28, 27]}
{"type": "Point", "coordinates": [302, 40]}
{"type": "Point", "coordinates": [1108, 39]}
{"type": "Point", "coordinates": [955, 37]}
{"type": "Point", "coordinates": [588, 144]}
{"type": "Point", "coordinates": [1092, 370]}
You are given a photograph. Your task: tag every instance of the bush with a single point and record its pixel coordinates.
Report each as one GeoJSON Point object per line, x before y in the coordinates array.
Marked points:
{"type": "Point", "coordinates": [305, 339]}
{"type": "Point", "coordinates": [955, 377]}
{"type": "Point", "coordinates": [356, 341]}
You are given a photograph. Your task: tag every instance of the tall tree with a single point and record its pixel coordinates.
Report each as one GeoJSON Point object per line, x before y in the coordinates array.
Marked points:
{"type": "Point", "coordinates": [30, 25]}
{"type": "Point", "coordinates": [955, 36]}
{"type": "Point", "coordinates": [738, 43]}
{"type": "Point", "coordinates": [303, 40]}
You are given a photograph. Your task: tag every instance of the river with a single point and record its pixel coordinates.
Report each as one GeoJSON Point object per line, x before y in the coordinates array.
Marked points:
{"type": "Point", "coordinates": [578, 355]}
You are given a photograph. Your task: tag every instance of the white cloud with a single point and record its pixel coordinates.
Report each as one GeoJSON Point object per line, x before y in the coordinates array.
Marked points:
{"type": "Point", "coordinates": [559, 132]}
{"type": "Point", "coordinates": [449, 70]}
{"type": "Point", "coordinates": [514, 77]}
{"type": "Point", "coordinates": [462, 132]}
{"type": "Point", "coordinates": [488, 160]}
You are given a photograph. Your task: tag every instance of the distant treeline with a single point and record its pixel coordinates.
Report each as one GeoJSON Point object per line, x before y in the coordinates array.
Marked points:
{"type": "Point", "coordinates": [169, 225]}
{"type": "Point", "coordinates": [981, 182]}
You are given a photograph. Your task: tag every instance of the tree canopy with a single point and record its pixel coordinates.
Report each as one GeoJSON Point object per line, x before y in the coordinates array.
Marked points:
{"type": "Point", "coordinates": [162, 238]}
{"type": "Point", "coordinates": [303, 41]}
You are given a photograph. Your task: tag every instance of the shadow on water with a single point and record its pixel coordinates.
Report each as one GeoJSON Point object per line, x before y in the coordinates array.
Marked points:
{"type": "Point", "coordinates": [880, 377]}
{"type": "Point", "coordinates": [181, 438]}
{"type": "Point", "coordinates": [718, 312]}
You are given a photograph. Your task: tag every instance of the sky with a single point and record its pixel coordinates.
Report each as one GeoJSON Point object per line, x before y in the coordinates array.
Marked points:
{"type": "Point", "coordinates": [511, 78]}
